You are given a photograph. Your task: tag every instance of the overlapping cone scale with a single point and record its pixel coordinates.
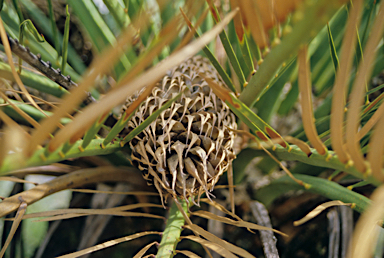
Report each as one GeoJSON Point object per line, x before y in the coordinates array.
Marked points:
{"type": "Point", "coordinates": [190, 145]}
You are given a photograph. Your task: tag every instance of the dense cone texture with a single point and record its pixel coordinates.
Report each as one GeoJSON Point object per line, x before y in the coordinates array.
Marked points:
{"type": "Point", "coordinates": [189, 146]}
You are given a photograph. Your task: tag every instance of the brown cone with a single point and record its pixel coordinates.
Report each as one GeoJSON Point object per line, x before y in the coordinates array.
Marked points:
{"type": "Point", "coordinates": [189, 146]}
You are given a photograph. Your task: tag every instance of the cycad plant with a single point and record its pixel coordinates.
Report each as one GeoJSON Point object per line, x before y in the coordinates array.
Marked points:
{"type": "Point", "coordinates": [149, 101]}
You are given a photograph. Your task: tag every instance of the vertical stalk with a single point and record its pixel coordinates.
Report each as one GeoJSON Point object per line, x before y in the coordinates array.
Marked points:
{"type": "Point", "coordinates": [171, 235]}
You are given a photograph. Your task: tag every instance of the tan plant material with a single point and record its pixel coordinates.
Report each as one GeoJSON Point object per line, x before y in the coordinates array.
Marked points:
{"type": "Point", "coordinates": [186, 149]}
{"type": "Point", "coordinates": [208, 215]}
{"type": "Point", "coordinates": [188, 253]}
{"type": "Point", "coordinates": [299, 143]}
{"type": "Point", "coordinates": [371, 122]}
{"type": "Point", "coordinates": [144, 250]}
{"type": "Point", "coordinates": [305, 87]}
{"type": "Point", "coordinates": [211, 245]}
{"type": "Point", "coordinates": [19, 215]}
{"type": "Point", "coordinates": [211, 237]}
{"type": "Point", "coordinates": [357, 95]}
{"type": "Point", "coordinates": [108, 244]}
{"type": "Point", "coordinates": [341, 82]}
{"type": "Point", "coordinates": [75, 179]}
{"type": "Point", "coordinates": [114, 192]}
{"type": "Point", "coordinates": [318, 210]}
{"type": "Point", "coordinates": [12, 141]}
{"type": "Point", "coordinates": [72, 213]}
{"type": "Point", "coordinates": [16, 180]}
{"type": "Point", "coordinates": [376, 150]}
{"type": "Point", "coordinates": [366, 230]}
{"type": "Point", "coordinates": [21, 112]}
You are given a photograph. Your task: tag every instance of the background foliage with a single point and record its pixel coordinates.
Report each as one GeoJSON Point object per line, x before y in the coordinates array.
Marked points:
{"type": "Point", "coordinates": [304, 80]}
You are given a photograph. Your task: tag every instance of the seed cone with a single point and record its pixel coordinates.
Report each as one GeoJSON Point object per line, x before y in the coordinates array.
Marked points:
{"type": "Point", "coordinates": [189, 146]}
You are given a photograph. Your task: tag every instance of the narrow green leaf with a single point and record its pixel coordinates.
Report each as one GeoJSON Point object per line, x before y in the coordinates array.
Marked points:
{"type": "Point", "coordinates": [316, 160]}
{"type": "Point", "coordinates": [65, 40]}
{"type": "Point", "coordinates": [228, 47]}
{"type": "Point", "coordinates": [18, 10]}
{"type": "Point", "coordinates": [30, 110]}
{"type": "Point", "coordinates": [320, 186]}
{"type": "Point", "coordinates": [246, 54]}
{"type": "Point", "coordinates": [252, 120]}
{"type": "Point", "coordinates": [32, 29]}
{"type": "Point", "coordinates": [98, 31]}
{"type": "Point", "coordinates": [1, 5]}
{"type": "Point", "coordinates": [35, 81]}
{"type": "Point", "coordinates": [90, 134]}
{"type": "Point", "coordinates": [118, 13]}
{"type": "Point", "coordinates": [43, 23]}
{"type": "Point", "coordinates": [38, 158]}
{"type": "Point", "coordinates": [53, 28]}
{"type": "Point", "coordinates": [270, 100]}
{"type": "Point", "coordinates": [47, 52]}
{"type": "Point", "coordinates": [335, 59]}
{"type": "Point", "coordinates": [29, 25]}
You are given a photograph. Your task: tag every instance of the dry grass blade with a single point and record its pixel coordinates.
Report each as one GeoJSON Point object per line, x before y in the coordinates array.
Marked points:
{"type": "Point", "coordinates": [213, 246]}
{"type": "Point", "coordinates": [357, 95]}
{"type": "Point", "coordinates": [191, 31]}
{"type": "Point", "coordinates": [376, 151]}
{"type": "Point", "coordinates": [208, 215]}
{"type": "Point", "coordinates": [8, 52]}
{"type": "Point", "coordinates": [306, 101]}
{"type": "Point", "coordinates": [20, 212]}
{"type": "Point", "coordinates": [16, 180]}
{"type": "Point", "coordinates": [371, 122]}
{"type": "Point", "coordinates": [108, 244]}
{"type": "Point", "coordinates": [102, 64]}
{"type": "Point", "coordinates": [231, 188]}
{"type": "Point", "coordinates": [113, 192]}
{"type": "Point", "coordinates": [188, 253]}
{"type": "Point", "coordinates": [75, 179]}
{"type": "Point", "coordinates": [116, 211]}
{"type": "Point", "coordinates": [118, 95]}
{"type": "Point", "coordinates": [220, 207]}
{"type": "Point", "coordinates": [318, 210]}
{"type": "Point", "coordinates": [211, 237]}
{"type": "Point", "coordinates": [144, 250]}
{"type": "Point", "coordinates": [40, 100]}
{"type": "Point", "coordinates": [53, 169]}
{"type": "Point", "coordinates": [21, 112]}
{"type": "Point", "coordinates": [366, 231]}
{"type": "Point", "coordinates": [341, 81]}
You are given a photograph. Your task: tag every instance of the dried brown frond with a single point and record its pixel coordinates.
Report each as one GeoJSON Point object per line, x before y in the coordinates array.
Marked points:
{"type": "Point", "coordinates": [305, 87]}
{"type": "Point", "coordinates": [357, 95]}
{"type": "Point", "coordinates": [318, 210]}
{"type": "Point", "coordinates": [342, 76]}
